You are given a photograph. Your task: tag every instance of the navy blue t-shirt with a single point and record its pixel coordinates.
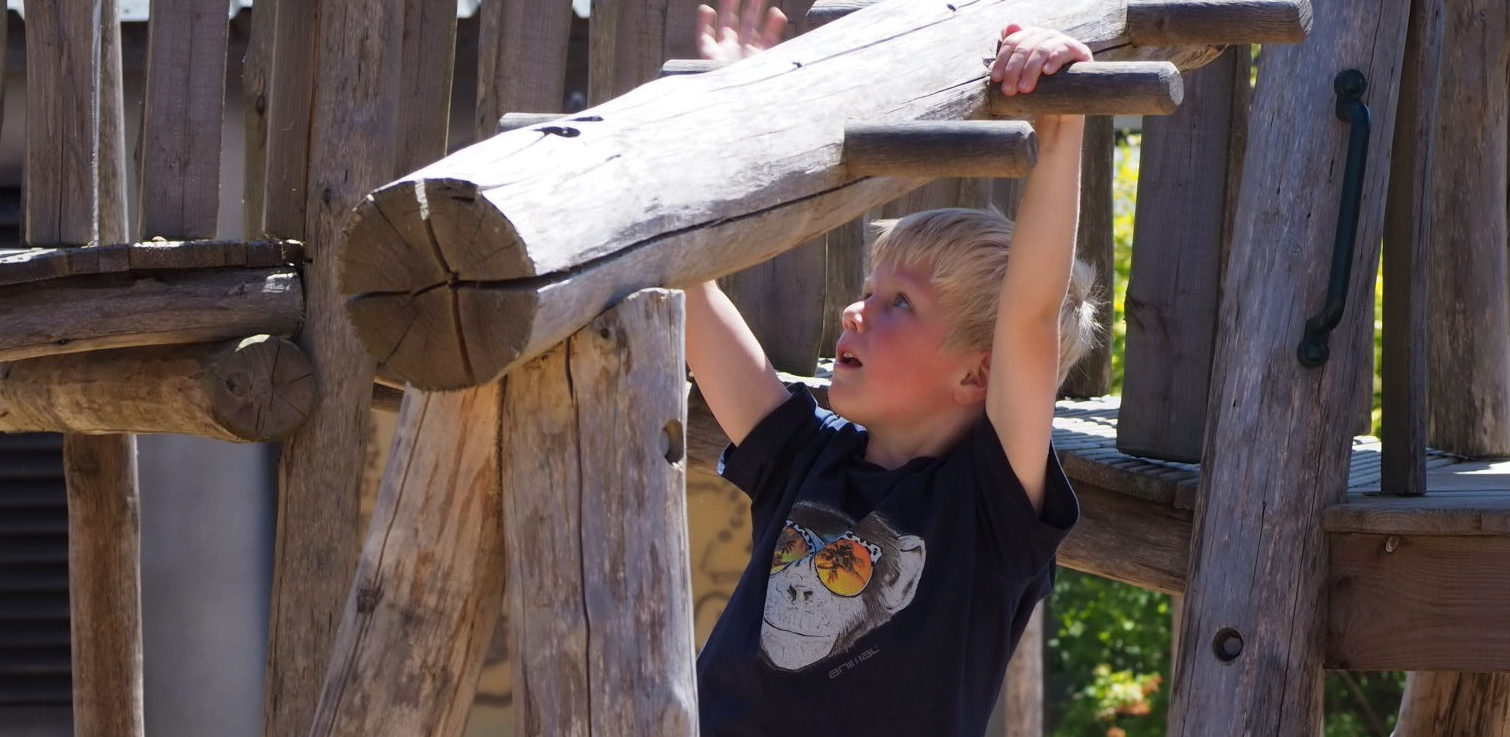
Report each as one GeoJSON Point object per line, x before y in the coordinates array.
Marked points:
{"type": "Point", "coordinates": [877, 602]}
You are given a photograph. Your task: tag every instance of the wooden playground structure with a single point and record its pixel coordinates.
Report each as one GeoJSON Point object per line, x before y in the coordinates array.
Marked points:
{"type": "Point", "coordinates": [514, 302]}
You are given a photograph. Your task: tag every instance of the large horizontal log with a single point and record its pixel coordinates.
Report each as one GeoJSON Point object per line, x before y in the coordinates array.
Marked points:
{"type": "Point", "coordinates": [91, 313]}
{"type": "Point", "coordinates": [1169, 22]}
{"type": "Point", "coordinates": [467, 267]}
{"type": "Point", "coordinates": [252, 390]}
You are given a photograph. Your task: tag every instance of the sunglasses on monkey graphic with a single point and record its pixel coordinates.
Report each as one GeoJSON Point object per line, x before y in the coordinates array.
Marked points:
{"type": "Point", "coordinates": [842, 565]}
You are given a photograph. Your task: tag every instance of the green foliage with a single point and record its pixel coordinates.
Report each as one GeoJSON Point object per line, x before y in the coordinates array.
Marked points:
{"type": "Point", "coordinates": [1109, 643]}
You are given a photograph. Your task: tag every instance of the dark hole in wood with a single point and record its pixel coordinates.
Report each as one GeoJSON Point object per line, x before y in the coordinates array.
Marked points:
{"type": "Point", "coordinates": [673, 447]}
{"type": "Point", "coordinates": [1228, 644]}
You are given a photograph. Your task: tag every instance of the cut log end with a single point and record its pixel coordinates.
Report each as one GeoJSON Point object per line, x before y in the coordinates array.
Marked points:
{"type": "Point", "coordinates": [262, 388]}
{"type": "Point", "coordinates": [450, 337]}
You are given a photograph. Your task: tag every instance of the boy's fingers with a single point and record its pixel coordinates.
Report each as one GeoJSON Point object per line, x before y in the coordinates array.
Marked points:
{"type": "Point", "coordinates": [1013, 70]}
{"type": "Point", "coordinates": [728, 16]}
{"type": "Point", "coordinates": [775, 25]}
{"type": "Point", "coordinates": [1031, 68]}
{"type": "Point", "coordinates": [749, 20]}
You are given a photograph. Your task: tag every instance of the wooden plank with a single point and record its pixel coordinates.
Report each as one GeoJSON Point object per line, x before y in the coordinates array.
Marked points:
{"type": "Point", "coordinates": [595, 525]}
{"type": "Point", "coordinates": [721, 215]}
{"type": "Point", "coordinates": [969, 148]}
{"type": "Point", "coordinates": [1451, 704]}
{"type": "Point", "coordinates": [1419, 603]}
{"type": "Point", "coordinates": [256, 85]}
{"type": "Point", "coordinates": [1126, 539]}
{"type": "Point", "coordinates": [429, 57]}
{"type": "Point", "coordinates": [1468, 335]}
{"type": "Point", "coordinates": [251, 390]}
{"type": "Point", "coordinates": [1466, 514]}
{"type": "Point", "coordinates": [182, 119]}
{"type": "Point", "coordinates": [351, 146]}
{"type": "Point", "coordinates": [24, 266]}
{"type": "Point", "coordinates": [62, 199]}
{"type": "Point", "coordinates": [430, 583]}
{"type": "Point", "coordinates": [1179, 239]}
{"type": "Point", "coordinates": [1021, 698]}
{"type": "Point", "coordinates": [290, 100]}
{"type": "Point", "coordinates": [87, 314]}
{"type": "Point", "coordinates": [521, 59]}
{"type": "Point", "coordinates": [113, 172]}
{"type": "Point", "coordinates": [1091, 376]}
{"type": "Point", "coordinates": [1279, 434]}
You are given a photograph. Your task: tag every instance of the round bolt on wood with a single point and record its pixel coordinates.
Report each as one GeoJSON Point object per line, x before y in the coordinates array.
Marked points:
{"type": "Point", "coordinates": [1228, 644]}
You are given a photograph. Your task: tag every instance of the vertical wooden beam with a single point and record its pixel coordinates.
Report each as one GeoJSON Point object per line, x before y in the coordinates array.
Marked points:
{"type": "Point", "coordinates": [182, 119]}
{"type": "Point", "coordinates": [1407, 228]}
{"type": "Point", "coordinates": [73, 51]}
{"type": "Point", "coordinates": [429, 56]}
{"type": "Point", "coordinates": [1468, 302]}
{"type": "Point", "coordinates": [256, 83]}
{"type": "Point", "coordinates": [1092, 375]}
{"type": "Point", "coordinates": [595, 524]}
{"type": "Point", "coordinates": [289, 107]}
{"type": "Point", "coordinates": [1444, 704]}
{"type": "Point", "coordinates": [62, 115]}
{"type": "Point", "coordinates": [1022, 695]}
{"type": "Point", "coordinates": [430, 583]}
{"type": "Point", "coordinates": [1278, 436]}
{"type": "Point", "coordinates": [521, 59]}
{"type": "Point", "coordinates": [1179, 239]}
{"type": "Point", "coordinates": [351, 147]}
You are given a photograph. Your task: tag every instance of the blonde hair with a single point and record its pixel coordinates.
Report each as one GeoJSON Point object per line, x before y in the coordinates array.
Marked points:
{"type": "Point", "coordinates": [966, 251]}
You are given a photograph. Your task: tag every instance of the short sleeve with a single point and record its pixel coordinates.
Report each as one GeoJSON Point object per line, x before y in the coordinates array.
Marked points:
{"type": "Point", "coordinates": [764, 461]}
{"type": "Point", "coordinates": [1022, 542]}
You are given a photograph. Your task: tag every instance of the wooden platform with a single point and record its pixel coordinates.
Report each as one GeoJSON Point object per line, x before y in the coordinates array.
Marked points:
{"type": "Point", "coordinates": [1416, 583]}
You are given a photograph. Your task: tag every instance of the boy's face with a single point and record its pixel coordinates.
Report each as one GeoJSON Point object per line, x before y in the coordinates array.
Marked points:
{"type": "Point", "coordinates": [891, 363]}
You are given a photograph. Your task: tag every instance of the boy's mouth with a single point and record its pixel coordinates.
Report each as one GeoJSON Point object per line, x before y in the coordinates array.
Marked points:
{"type": "Point", "coordinates": [848, 359]}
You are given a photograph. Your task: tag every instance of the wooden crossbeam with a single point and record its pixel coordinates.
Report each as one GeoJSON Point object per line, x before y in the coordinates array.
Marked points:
{"type": "Point", "coordinates": [252, 390]}
{"type": "Point", "coordinates": [432, 258]}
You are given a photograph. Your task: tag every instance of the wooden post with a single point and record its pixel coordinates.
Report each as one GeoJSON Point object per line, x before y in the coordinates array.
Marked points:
{"type": "Point", "coordinates": [255, 389]}
{"type": "Point", "coordinates": [430, 583]}
{"type": "Point", "coordinates": [1092, 375]}
{"type": "Point", "coordinates": [1022, 695]}
{"type": "Point", "coordinates": [1468, 305]}
{"type": "Point", "coordinates": [256, 83]}
{"type": "Point", "coordinates": [1187, 180]}
{"type": "Point", "coordinates": [350, 128]}
{"type": "Point", "coordinates": [1407, 230]}
{"type": "Point", "coordinates": [521, 59]}
{"type": "Point", "coordinates": [74, 83]}
{"type": "Point", "coordinates": [429, 60]}
{"type": "Point", "coordinates": [1446, 704]}
{"type": "Point", "coordinates": [1278, 437]}
{"type": "Point", "coordinates": [290, 98]}
{"type": "Point", "coordinates": [724, 213]}
{"type": "Point", "coordinates": [595, 524]}
{"type": "Point", "coordinates": [182, 120]}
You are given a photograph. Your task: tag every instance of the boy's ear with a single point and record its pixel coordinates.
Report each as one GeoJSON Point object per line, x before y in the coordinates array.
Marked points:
{"type": "Point", "coordinates": [972, 386]}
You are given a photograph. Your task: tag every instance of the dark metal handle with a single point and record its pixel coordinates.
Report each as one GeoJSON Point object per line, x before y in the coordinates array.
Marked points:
{"type": "Point", "coordinates": [1350, 85]}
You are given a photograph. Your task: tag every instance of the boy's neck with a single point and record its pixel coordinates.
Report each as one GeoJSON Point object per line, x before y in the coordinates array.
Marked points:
{"type": "Point", "coordinates": [892, 445]}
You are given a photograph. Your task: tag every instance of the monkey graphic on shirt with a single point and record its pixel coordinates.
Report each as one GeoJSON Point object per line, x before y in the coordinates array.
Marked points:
{"type": "Point", "coordinates": [833, 580]}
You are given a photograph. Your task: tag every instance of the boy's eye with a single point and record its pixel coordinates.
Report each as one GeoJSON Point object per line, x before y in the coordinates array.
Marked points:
{"type": "Point", "coordinates": [901, 301]}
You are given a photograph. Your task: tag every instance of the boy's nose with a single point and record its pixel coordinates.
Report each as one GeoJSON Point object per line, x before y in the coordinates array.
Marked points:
{"type": "Point", "coordinates": [854, 318]}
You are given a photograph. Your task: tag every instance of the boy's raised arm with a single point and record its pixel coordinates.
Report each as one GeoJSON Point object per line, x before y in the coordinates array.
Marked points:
{"type": "Point", "coordinates": [1021, 389]}
{"type": "Point", "coordinates": [732, 371]}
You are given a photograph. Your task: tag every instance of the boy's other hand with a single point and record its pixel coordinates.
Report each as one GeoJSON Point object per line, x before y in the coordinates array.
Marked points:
{"type": "Point", "coordinates": [1026, 52]}
{"type": "Point", "coordinates": [733, 32]}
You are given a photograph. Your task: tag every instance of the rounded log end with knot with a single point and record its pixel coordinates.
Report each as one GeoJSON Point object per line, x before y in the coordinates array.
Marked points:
{"type": "Point", "coordinates": [426, 268]}
{"type": "Point", "coordinates": [261, 388]}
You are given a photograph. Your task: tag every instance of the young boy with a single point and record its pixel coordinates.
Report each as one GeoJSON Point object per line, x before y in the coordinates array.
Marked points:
{"type": "Point", "coordinates": [902, 540]}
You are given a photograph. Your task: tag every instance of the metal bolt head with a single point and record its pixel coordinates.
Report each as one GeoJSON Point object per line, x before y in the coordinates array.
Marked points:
{"type": "Point", "coordinates": [1228, 644]}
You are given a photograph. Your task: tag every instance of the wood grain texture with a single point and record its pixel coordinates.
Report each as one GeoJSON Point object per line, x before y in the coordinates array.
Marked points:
{"type": "Point", "coordinates": [351, 148]}
{"type": "Point", "coordinates": [429, 57]}
{"type": "Point", "coordinates": [1098, 88]}
{"type": "Point", "coordinates": [104, 584]}
{"type": "Point", "coordinates": [113, 171]}
{"type": "Point", "coordinates": [521, 59]}
{"type": "Point", "coordinates": [1130, 540]}
{"type": "Point", "coordinates": [256, 86]}
{"type": "Point", "coordinates": [1407, 230]}
{"type": "Point", "coordinates": [1091, 376]}
{"type": "Point", "coordinates": [1438, 704]}
{"type": "Point", "coordinates": [118, 311]}
{"type": "Point", "coordinates": [724, 213]}
{"type": "Point", "coordinates": [1022, 694]}
{"type": "Point", "coordinates": [290, 99]}
{"type": "Point", "coordinates": [429, 586]}
{"type": "Point", "coordinates": [1257, 577]}
{"type": "Point", "coordinates": [1468, 311]}
{"type": "Point", "coordinates": [20, 266]}
{"type": "Point", "coordinates": [1419, 603]}
{"type": "Point", "coordinates": [251, 390]}
{"type": "Point", "coordinates": [595, 524]}
{"type": "Point", "coordinates": [182, 119]}
{"type": "Point", "coordinates": [1180, 237]}
{"type": "Point", "coordinates": [62, 167]}
{"type": "Point", "coordinates": [940, 149]}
